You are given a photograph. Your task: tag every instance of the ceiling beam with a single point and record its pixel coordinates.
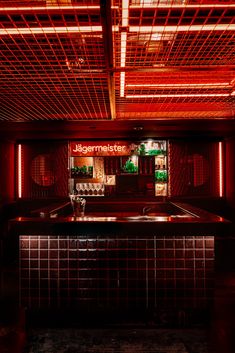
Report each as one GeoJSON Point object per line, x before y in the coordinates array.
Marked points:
{"type": "Point", "coordinates": [106, 20]}
{"type": "Point", "coordinates": [135, 129]}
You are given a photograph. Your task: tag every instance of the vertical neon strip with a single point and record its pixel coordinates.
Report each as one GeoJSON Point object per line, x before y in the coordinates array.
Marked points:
{"type": "Point", "coordinates": [125, 21]}
{"type": "Point", "coordinates": [19, 171]}
{"type": "Point", "coordinates": [123, 63]}
{"type": "Point", "coordinates": [221, 181]}
{"type": "Point", "coordinates": [122, 84]}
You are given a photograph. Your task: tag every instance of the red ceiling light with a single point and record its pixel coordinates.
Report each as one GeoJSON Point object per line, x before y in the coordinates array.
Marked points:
{"type": "Point", "coordinates": [151, 4]}
{"type": "Point", "coordinates": [46, 54]}
{"type": "Point", "coordinates": [52, 7]}
{"type": "Point", "coordinates": [19, 156]}
{"type": "Point", "coordinates": [216, 85]}
{"type": "Point", "coordinates": [183, 28]}
{"type": "Point", "coordinates": [177, 95]}
{"type": "Point", "coordinates": [221, 181]}
{"type": "Point", "coordinates": [49, 30]}
{"type": "Point", "coordinates": [125, 18]}
{"type": "Point", "coordinates": [160, 31]}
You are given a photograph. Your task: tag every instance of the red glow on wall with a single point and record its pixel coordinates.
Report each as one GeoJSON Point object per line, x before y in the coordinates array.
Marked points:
{"type": "Point", "coordinates": [19, 156]}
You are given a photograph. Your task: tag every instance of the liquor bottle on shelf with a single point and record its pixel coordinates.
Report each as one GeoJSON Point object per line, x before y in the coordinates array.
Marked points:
{"type": "Point", "coordinates": [160, 189]}
{"type": "Point", "coordinates": [75, 191]}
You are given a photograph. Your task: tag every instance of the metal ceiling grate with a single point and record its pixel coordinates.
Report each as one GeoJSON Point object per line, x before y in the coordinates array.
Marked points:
{"type": "Point", "coordinates": [179, 58]}
{"type": "Point", "coordinates": [64, 60]}
{"type": "Point", "coordinates": [54, 67]}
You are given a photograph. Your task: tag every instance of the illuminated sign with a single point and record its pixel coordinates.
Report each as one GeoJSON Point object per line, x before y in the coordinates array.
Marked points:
{"type": "Point", "coordinates": [108, 148]}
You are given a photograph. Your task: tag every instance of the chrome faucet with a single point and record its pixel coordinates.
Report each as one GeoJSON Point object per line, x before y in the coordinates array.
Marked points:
{"type": "Point", "coordinates": [146, 209]}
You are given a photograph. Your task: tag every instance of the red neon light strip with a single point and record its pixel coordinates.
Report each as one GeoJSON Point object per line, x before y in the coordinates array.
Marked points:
{"type": "Point", "coordinates": [19, 171]}
{"type": "Point", "coordinates": [177, 6]}
{"type": "Point", "coordinates": [48, 30]}
{"type": "Point", "coordinates": [177, 95]}
{"type": "Point", "coordinates": [221, 181]}
{"type": "Point", "coordinates": [182, 28]}
{"type": "Point", "coordinates": [54, 7]}
{"type": "Point", "coordinates": [194, 85]}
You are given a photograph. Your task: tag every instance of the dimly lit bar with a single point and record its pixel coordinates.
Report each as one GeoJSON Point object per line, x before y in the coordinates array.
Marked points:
{"type": "Point", "coordinates": [117, 184]}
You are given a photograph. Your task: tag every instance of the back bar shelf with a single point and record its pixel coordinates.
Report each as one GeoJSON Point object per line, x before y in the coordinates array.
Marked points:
{"type": "Point", "coordinates": [110, 168]}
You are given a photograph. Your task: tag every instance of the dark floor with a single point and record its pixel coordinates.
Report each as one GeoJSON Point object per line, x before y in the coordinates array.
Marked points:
{"type": "Point", "coordinates": [20, 335]}
{"type": "Point", "coordinates": [117, 340]}
{"type": "Point", "coordinates": [222, 323]}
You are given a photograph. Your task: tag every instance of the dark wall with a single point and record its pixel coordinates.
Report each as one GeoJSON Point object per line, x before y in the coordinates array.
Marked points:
{"type": "Point", "coordinates": [230, 174]}
{"type": "Point", "coordinates": [7, 168]}
{"type": "Point", "coordinates": [194, 168]}
{"type": "Point", "coordinates": [45, 169]}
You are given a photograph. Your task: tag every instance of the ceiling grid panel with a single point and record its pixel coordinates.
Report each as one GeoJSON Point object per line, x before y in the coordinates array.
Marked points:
{"type": "Point", "coordinates": [78, 60]}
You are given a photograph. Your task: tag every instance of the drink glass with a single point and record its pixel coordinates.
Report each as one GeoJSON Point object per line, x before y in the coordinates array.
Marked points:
{"type": "Point", "coordinates": [78, 205]}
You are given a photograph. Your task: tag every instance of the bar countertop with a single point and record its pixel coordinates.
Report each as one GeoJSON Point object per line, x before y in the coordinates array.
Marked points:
{"type": "Point", "coordinates": [189, 220]}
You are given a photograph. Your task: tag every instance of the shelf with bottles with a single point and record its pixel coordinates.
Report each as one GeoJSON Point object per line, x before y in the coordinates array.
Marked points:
{"type": "Point", "coordinates": [161, 176]}
{"type": "Point", "coordinates": [81, 167]}
{"type": "Point", "coordinates": [160, 162]}
{"type": "Point", "coordinates": [112, 165]}
{"type": "Point", "coordinates": [146, 165]}
{"type": "Point", "coordinates": [160, 189]}
{"type": "Point", "coordinates": [129, 165]}
{"type": "Point", "coordinates": [82, 172]}
{"type": "Point", "coordinates": [152, 148]}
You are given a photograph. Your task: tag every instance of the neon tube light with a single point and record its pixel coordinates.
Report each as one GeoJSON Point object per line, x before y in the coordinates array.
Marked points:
{"type": "Point", "coordinates": [196, 85]}
{"type": "Point", "coordinates": [125, 17]}
{"type": "Point", "coordinates": [19, 153]}
{"type": "Point", "coordinates": [45, 30]}
{"type": "Point", "coordinates": [221, 182]}
{"type": "Point", "coordinates": [123, 49]}
{"type": "Point", "coordinates": [188, 28]}
{"type": "Point", "coordinates": [176, 95]}
{"type": "Point", "coordinates": [122, 84]}
{"type": "Point", "coordinates": [125, 5]}
{"type": "Point", "coordinates": [123, 63]}
{"type": "Point", "coordinates": [95, 7]}
{"type": "Point", "coordinates": [184, 6]}
{"type": "Point", "coordinates": [51, 7]}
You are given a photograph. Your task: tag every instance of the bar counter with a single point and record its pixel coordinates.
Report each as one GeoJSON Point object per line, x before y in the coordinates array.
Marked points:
{"type": "Point", "coordinates": [189, 219]}
{"type": "Point", "coordinates": [113, 263]}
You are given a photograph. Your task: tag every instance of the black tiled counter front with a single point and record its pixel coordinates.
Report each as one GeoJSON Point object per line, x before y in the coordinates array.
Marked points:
{"type": "Point", "coordinates": [106, 264]}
